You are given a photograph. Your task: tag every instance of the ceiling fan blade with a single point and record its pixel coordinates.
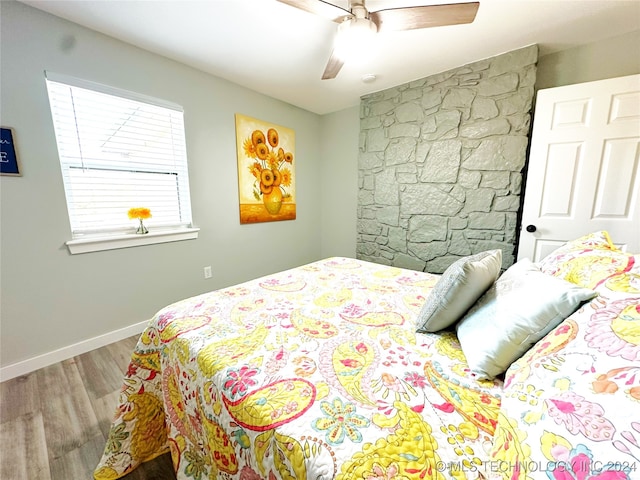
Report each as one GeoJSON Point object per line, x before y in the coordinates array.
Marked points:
{"type": "Point", "coordinates": [333, 66]}
{"type": "Point", "coordinates": [319, 7]}
{"type": "Point", "coordinates": [426, 16]}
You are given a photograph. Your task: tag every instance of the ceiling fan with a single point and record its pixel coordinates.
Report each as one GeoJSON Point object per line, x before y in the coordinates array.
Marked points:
{"type": "Point", "coordinates": [359, 22]}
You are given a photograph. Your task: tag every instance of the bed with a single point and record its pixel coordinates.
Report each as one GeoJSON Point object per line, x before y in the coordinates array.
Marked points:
{"type": "Point", "coordinates": [345, 369]}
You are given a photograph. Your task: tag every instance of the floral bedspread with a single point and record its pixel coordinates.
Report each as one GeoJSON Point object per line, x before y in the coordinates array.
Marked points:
{"type": "Point", "coordinates": [312, 373]}
{"type": "Point", "coordinates": [571, 405]}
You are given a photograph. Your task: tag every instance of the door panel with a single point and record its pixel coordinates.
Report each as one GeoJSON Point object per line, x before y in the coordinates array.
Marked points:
{"type": "Point", "coordinates": [619, 169]}
{"type": "Point", "coordinates": [545, 247]}
{"type": "Point", "coordinates": [562, 162]}
{"type": "Point", "coordinates": [626, 106]}
{"type": "Point", "coordinates": [571, 114]}
{"type": "Point", "coordinates": [584, 163]}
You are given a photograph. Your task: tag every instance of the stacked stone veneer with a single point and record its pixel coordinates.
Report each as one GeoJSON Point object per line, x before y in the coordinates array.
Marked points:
{"type": "Point", "coordinates": [440, 164]}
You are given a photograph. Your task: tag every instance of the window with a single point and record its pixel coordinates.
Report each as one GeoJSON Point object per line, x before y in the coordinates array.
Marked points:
{"type": "Point", "coordinates": [119, 150]}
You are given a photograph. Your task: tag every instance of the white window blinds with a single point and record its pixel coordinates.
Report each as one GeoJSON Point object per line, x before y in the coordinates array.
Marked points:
{"type": "Point", "coordinates": [119, 150]}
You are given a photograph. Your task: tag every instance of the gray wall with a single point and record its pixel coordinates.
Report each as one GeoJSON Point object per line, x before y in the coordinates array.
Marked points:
{"type": "Point", "coordinates": [614, 57]}
{"type": "Point", "coordinates": [51, 299]}
{"type": "Point", "coordinates": [338, 199]}
{"type": "Point", "coordinates": [441, 159]}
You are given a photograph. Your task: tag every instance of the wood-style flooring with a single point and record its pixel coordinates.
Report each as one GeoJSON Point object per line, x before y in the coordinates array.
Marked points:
{"type": "Point", "coordinates": [55, 421]}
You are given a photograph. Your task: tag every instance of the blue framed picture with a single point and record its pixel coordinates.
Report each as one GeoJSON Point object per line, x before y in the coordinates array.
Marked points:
{"type": "Point", "coordinates": [8, 157]}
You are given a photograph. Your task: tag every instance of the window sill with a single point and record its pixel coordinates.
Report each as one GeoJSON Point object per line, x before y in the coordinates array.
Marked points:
{"type": "Point", "coordinates": [97, 244]}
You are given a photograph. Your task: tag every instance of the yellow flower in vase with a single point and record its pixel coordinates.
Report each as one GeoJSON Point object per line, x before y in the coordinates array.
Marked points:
{"type": "Point", "coordinates": [271, 176]}
{"type": "Point", "coordinates": [140, 213]}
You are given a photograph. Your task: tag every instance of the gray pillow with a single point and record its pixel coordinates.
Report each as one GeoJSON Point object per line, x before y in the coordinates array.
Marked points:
{"type": "Point", "coordinates": [521, 307]}
{"type": "Point", "coordinates": [458, 289]}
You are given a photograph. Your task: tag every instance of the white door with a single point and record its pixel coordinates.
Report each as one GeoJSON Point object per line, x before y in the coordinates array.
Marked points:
{"type": "Point", "coordinates": [584, 173]}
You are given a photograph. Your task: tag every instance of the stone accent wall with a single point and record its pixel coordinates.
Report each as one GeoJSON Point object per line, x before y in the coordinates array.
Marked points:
{"type": "Point", "coordinates": [440, 164]}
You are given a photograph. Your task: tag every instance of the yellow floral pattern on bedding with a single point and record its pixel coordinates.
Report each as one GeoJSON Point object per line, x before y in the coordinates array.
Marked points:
{"type": "Point", "coordinates": [571, 405]}
{"type": "Point", "coordinates": [315, 372]}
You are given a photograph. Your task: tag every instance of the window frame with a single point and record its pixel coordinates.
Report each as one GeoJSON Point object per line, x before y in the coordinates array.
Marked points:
{"type": "Point", "coordinates": [85, 242]}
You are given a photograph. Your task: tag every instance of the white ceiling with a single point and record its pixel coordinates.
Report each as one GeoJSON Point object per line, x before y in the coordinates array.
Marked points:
{"type": "Point", "coordinates": [281, 51]}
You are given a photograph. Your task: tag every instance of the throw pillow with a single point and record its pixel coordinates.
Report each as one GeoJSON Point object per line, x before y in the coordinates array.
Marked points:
{"type": "Point", "coordinates": [587, 261]}
{"type": "Point", "coordinates": [458, 289]}
{"type": "Point", "coordinates": [521, 307]}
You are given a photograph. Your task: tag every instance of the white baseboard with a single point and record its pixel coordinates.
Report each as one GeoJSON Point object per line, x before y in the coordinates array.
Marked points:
{"type": "Point", "coordinates": [64, 353]}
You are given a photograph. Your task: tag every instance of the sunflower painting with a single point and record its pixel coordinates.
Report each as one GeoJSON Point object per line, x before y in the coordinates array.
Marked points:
{"type": "Point", "coordinates": [266, 181]}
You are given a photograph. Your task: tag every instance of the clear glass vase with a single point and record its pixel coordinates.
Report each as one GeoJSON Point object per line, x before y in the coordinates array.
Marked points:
{"type": "Point", "coordinates": [141, 228]}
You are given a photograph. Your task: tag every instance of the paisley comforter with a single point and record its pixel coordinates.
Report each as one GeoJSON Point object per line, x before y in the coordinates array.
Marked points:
{"type": "Point", "coordinates": [312, 373]}
{"type": "Point", "coordinates": [318, 373]}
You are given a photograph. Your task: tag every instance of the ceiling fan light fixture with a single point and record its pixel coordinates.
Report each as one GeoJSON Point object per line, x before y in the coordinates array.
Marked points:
{"type": "Point", "coordinates": [355, 40]}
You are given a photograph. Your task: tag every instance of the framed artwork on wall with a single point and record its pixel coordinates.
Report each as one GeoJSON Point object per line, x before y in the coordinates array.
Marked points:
{"type": "Point", "coordinates": [266, 170]}
{"type": "Point", "coordinates": [8, 157]}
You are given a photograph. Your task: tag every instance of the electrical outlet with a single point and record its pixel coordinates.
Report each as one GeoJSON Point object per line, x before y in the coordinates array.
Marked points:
{"type": "Point", "coordinates": [207, 271]}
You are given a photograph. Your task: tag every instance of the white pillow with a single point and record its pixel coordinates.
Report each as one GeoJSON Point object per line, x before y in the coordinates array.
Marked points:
{"type": "Point", "coordinates": [457, 289]}
{"type": "Point", "coordinates": [521, 307]}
